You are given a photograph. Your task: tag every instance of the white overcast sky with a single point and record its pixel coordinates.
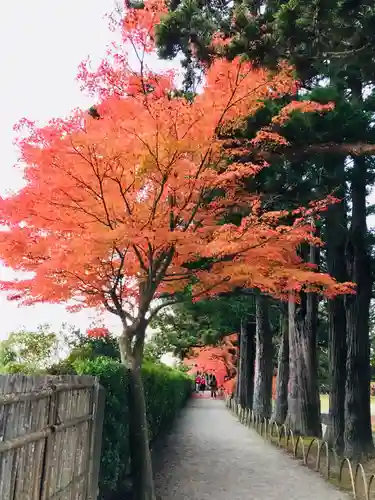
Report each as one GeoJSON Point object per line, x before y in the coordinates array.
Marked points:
{"type": "Point", "coordinates": [42, 43]}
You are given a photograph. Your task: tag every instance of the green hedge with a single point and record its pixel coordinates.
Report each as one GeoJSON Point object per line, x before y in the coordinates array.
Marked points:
{"type": "Point", "coordinates": [166, 393]}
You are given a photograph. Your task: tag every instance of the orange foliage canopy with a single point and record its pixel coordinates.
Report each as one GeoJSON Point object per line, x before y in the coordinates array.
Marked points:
{"type": "Point", "coordinates": [219, 360]}
{"type": "Point", "coordinates": [114, 207]}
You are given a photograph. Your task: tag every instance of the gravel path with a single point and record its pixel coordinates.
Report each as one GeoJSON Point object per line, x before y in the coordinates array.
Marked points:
{"type": "Point", "coordinates": [210, 455]}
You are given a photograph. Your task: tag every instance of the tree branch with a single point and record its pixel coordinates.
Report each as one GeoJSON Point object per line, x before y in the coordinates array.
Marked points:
{"type": "Point", "coordinates": [291, 152]}
{"type": "Point", "coordinates": [177, 300]}
{"type": "Point", "coordinates": [345, 53]}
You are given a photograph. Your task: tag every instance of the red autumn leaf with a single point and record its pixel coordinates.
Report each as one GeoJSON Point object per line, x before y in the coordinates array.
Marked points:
{"type": "Point", "coordinates": [98, 332]}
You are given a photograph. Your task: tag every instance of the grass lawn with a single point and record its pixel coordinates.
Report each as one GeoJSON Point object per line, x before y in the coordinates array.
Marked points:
{"type": "Point", "coordinates": [324, 403]}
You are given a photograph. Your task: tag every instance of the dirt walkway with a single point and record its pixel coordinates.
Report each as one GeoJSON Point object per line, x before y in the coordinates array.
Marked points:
{"type": "Point", "coordinates": [210, 455]}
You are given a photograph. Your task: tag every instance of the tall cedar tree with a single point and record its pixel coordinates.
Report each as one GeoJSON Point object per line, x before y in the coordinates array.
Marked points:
{"type": "Point", "coordinates": [319, 40]}
{"type": "Point", "coordinates": [114, 208]}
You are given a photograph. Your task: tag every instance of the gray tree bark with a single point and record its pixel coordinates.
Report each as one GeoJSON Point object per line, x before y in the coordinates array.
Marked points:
{"type": "Point", "coordinates": [247, 356]}
{"type": "Point", "coordinates": [358, 433]}
{"type": "Point", "coordinates": [336, 231]}
{"type": "Point", "coordinates": [303, 398]}
{"type": "Point", "coordinates": [262, 401]}
{"type": "Point", "coordinates": [141, 463]}
{"type": "Point", "coordinates": [281, 403]}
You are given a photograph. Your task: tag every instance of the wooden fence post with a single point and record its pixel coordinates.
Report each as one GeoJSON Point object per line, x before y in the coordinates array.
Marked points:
{"type": "Point", "coordinates": [48, 450]}
{"type": "Point", "coordinates": [96, 442]}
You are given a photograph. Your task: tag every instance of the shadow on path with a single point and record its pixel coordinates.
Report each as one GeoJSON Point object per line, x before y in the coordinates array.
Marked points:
{"type": "Point", "coordinates": [210, 455]}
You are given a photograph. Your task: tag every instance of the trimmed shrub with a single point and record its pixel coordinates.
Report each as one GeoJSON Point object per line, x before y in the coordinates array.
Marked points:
{"type": "Point", "coordinates": [166, 393]}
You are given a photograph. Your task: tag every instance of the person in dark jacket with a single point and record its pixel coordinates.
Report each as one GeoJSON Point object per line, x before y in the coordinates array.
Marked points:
{"type": "Point", "coordinates": [213, 386]}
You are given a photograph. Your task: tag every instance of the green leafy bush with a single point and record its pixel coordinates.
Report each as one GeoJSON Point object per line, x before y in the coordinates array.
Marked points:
{"type": "Point", "coordinates": [166, 392]}
{"type": "Point", "coordinates": [14, 367]}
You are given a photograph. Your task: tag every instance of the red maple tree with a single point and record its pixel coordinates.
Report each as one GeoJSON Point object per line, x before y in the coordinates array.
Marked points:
{"type": "Point", "coordinates": [119, 200]}
{"type": "Point", "coordinates": [220, 360]}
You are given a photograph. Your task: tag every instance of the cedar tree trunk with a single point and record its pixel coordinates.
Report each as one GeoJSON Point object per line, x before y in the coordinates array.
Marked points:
{"type": "Point", "coordinates": [336, 230]}
{"type": "Point", "coordinates": [307, 364]}
{"type": "Point", "coordinates": [293, 418]}
{"type": "Point", "coordinates": [262, 401]}
{"type": "Point", "coordinates": [246, 364]}
{"type": "Point", "coordinates": [358, 435]}
{"type": "Point", "coordinates": [239, 381]}
{"type": "Point", "coordinates": [281, 403]}
{"type": "Point", "coordinates": [141, 464]}
{"type": "Point", "coordinates": [303, 369]}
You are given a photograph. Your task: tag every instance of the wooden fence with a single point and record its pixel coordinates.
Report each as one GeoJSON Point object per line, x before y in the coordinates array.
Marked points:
{"type": "Point", "coordinates": [50, 437]}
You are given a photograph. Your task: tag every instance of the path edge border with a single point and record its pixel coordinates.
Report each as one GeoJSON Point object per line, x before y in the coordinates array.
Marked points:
{"type": "Point", "coordinates": [283, 437]}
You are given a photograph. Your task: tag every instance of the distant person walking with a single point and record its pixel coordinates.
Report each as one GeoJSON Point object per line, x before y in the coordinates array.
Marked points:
{"type": "Point", "coordinates": [198, 380]}
{"type": "Point", "coordinates": [203, 382]}
{"type": "Point", "coordinates": [213, 386]}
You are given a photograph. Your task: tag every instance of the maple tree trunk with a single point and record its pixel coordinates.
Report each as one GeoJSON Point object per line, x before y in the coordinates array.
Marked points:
{"type": "Point", "coordinates": [141, 463]}
{"type": "Point", "coordinates": [281, 403]}
{"type": "Point", "coordinates": [336, 230]}
{"type": "Point", "coordinates": [262, 401]}
{"type": "Point", "coordinates": [358, 435]}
